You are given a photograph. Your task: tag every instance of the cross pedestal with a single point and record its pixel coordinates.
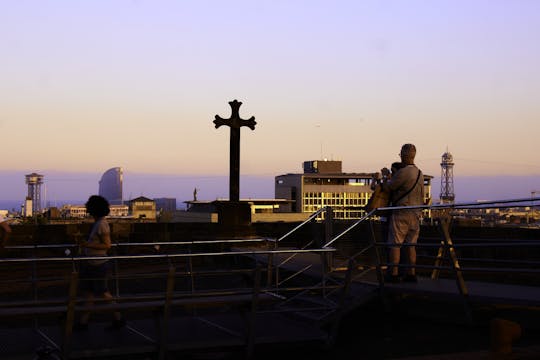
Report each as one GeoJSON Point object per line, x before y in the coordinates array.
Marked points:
{"type": "Point", "coordinates": [234, 218]}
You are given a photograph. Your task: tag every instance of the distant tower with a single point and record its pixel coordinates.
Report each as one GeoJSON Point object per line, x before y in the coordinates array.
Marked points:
{"type": "Point", "coordinates": [110, 185]}
{"type": "Point", "coordinates": [447, 178]}
{"type": "Point", "coordinates": [34, 182]}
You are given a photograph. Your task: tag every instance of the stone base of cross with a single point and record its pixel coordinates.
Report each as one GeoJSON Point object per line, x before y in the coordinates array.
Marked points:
{"type": "Point", "coordinates": [234, 218]}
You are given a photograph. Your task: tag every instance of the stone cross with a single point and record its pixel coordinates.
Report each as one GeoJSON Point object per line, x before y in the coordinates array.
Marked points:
{"type": "Point", "coordinates": [235, 123]}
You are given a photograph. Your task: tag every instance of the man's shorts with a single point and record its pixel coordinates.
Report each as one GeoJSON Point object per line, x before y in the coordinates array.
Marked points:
{"type": "Point", "coordinates": [403, 227]}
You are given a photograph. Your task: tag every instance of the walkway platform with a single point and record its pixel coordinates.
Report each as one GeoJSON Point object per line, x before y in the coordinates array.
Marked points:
{"type": "Point", "coordinates": [479, 292]}
{"type": "Point", "coordinates": [187, 334]}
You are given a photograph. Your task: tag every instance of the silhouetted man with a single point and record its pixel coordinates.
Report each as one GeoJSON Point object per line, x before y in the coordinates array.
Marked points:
{"type": "Point", "coordinates": [406, 189]}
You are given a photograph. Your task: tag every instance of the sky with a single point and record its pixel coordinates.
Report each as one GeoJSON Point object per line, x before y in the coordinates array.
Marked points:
{"type": "Point", "coordinates": [90, 85]}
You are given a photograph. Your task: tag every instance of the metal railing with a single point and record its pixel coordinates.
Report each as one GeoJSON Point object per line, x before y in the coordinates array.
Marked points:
{"type": "Point", "coordinates": [448, 258]}
{"type": "Point", "coordinates": [157, 270]}
{"type": "Point", "coordinates": [446, 249]}
{"type": "Point", "coordinates": [448, 255]}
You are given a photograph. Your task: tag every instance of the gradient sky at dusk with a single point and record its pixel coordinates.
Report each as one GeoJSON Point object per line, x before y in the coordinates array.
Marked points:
{"type": "Point", "coordinates": [89, 85]}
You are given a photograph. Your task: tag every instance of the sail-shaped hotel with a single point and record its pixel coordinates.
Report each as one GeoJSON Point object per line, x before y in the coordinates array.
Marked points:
{"type": "Point", "coordinates": [110, 185]}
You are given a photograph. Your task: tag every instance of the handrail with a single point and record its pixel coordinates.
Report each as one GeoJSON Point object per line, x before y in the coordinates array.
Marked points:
{"type": "Point", "coordinates": [167, 256]}
{"type": "Point", "coordinates": [431, 207]}
{"type": "Point", "coordinates": [363, 218]}
{"type": "Point", "coordinates": [312, 216]}
{"type": "Point", "coordinates": [464, 205]}
{"type": "Point", "coordinates": [118, 244]}
{"type": "Point", "coordinates": [469, 245]}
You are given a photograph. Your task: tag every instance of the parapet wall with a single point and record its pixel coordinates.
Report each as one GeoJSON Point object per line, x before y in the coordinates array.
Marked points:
{"type": "Point", "coordinates": [162, 232]}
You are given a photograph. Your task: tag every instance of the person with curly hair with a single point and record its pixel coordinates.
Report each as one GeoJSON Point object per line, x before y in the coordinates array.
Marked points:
{"type": "Point", "coordinates": [94, 272]}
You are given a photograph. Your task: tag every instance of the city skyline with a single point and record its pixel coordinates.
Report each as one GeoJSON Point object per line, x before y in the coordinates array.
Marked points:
{"type": "Point", "coordinates": [77, 186]}
{"type": "Point", "coordinates": [138, 83]}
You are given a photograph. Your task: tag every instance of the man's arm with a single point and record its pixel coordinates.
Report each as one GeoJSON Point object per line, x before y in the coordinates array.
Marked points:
{"type": "Point", "coordinates": [6, 231]}
{"type": "Point", "coordinates": [395, 181]}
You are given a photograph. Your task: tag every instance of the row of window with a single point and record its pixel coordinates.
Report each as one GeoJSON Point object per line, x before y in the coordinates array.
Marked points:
{"type": "Point", "coordinates": [336, 195]}
{"type": "Point", "coordinates": [333, 201]}
{"type": "Point", "coordinates": [337, 181]}
{"type": "Point", "coordinates": [339, 213]}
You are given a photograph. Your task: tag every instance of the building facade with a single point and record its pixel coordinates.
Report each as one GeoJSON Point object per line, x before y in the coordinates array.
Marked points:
{"type": "Point", "coordinates": [119, 211]}
{"type": "Point", "coordinates": [79, 211]}
{"type": "Point", "coordinates": [110, 185]}
{"type": "Point", "coordinates": [324, 184]}
{"type": "Point", "coordinates": [143, 208]}
{"type": "Point", "coordinates": [73, 211]}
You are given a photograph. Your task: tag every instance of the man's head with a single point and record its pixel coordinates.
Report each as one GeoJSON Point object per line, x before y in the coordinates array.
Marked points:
{"type": "Point", "coordinates": [408, 151]}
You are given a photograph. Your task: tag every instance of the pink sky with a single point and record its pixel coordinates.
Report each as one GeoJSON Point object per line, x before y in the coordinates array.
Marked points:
{"type": "Point", "coordinates": [91, 85]}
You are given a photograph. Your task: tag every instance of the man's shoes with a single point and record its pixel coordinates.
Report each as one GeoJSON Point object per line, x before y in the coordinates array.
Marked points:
{"type": "Point", "coordinates": [392, 279]}
{"type": "Point", "coordinates": [116, 324]}
{"type": "Point", "coordinates": [410, 278]}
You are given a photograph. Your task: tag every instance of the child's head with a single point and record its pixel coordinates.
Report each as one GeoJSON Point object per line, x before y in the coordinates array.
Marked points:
{"type": "Point", "coordinates": [396, 166]}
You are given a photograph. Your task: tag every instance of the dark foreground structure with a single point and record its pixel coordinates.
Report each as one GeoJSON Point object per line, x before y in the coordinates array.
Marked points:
{"type": "Point", "coordinates": [313, 289]}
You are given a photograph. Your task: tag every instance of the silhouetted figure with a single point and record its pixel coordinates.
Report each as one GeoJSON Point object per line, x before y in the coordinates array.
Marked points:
{"type": "Point", "coordinates": [94, 272]}
{"type": "Point", "coordinates": [407, 189]}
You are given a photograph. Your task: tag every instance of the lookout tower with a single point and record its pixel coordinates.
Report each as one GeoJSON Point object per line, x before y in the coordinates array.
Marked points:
{"type": "Point", "coordinates": [34, 182]}
{"type": "Point", "coordinates": [447, 178]}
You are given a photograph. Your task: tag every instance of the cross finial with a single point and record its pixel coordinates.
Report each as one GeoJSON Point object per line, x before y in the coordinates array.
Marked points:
{"type": "Point", "coordinates": [235, 121]}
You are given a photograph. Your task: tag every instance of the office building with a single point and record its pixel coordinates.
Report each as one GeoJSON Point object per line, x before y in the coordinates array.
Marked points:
{"type": "Point", "coordinates": [143, 208]}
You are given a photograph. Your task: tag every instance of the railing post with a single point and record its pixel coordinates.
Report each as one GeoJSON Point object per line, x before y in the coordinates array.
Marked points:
{"type": "Point", "coordinates": [378, 257]}
{"type": "Point", "coordinates": [326, 259]}
{"type": "Point", "coordinates": [167, 313]}
{"type": "Point", "coordinates": [270, 261]}
{"type": "Point", "coordinates": [251, 330]}
{"type": "Point", "coordinates": [191, 276]}
{"type": "Point", "coordinates": [70, 314]}
{"type": "Point", "coordinates": [343, 298]}
{"type": "Point", "coordinates": [441, 253]}
{"type": "Point", "coordinates": [116, 281]}
{"type": "Point", "coordinates": [445, 227]}
{"type": "Point", "coordinates": [328, 224]}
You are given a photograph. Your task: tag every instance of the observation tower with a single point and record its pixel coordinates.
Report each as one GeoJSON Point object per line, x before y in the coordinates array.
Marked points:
{"type": "Point", "coordinates": [447, 179]}
{"type": "Point", "coordinates": [34, 182]}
